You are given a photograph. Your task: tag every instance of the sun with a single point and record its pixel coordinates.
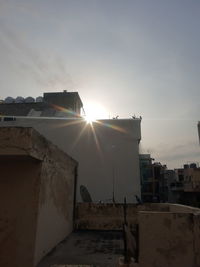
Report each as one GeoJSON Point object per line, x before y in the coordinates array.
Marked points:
{"type": "Point", "coordinates": [94, 111]}
{"type": "Point", "coordinates": [89, 119]}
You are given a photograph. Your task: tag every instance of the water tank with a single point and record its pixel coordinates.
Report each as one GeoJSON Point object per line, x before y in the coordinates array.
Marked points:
{"type": "Point", "coordinates": [19, 99]}
{"type": "Point", "coordinates": [29, 99]}
{"type": "Point", "coordinates": [193, 165]}
{"type": "Point", "coordinates": [9, 99]}
{"type": "Point", "coordinates": [39, 99]}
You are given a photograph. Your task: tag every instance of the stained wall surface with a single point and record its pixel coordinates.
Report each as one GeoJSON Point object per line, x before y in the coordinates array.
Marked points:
{"type": "Point", "coordinates": [168, 239]}
{"type": "Point", "coordinates": [56, 201]}
{"type": "Point", "coordinates": [107, 152]}
{"type": "Point", "coordinates": [165, 234]}
{"type": "Point", "coordinates": [19, 189]}
{"type": "Point", "coordinates": [96, 216]}
{"type": "Point", "coordinates": [37, 186]}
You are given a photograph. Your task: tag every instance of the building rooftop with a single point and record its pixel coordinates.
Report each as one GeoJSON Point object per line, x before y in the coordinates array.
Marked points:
{"type": "Point", "coordinates": [57, 104]}
{"type": "Point", "coordinates": [96, 248]}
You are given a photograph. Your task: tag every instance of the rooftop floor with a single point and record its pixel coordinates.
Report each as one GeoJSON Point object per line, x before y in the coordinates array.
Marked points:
{"type": "Point", "coordinates": [98, 248]}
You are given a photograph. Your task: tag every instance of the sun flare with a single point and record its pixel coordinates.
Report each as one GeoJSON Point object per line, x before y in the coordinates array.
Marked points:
{"type": "Point", "coordinates": [95, 111]}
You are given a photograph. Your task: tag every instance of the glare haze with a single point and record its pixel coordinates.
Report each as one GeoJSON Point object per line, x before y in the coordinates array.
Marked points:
{"type": "Point", "coordinates": [131, 57]}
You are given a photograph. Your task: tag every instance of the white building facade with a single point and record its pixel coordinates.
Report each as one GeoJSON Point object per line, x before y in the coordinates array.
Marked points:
{"type": "Point", "coordinates": [107, 152]}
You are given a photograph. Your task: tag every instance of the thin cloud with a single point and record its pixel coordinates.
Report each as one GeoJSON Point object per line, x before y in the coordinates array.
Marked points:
{"type": "Point", "coordinates": [50, 72]}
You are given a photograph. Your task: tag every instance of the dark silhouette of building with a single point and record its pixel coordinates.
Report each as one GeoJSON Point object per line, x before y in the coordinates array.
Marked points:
{"type": "Point", "coordinates": [58, 104]}
{"type": "Point", "coordinates": [154, 186]}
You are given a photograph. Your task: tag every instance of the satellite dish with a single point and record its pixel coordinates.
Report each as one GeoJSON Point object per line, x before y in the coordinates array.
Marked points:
{"type": "Point", "coordinates": [85, 195]}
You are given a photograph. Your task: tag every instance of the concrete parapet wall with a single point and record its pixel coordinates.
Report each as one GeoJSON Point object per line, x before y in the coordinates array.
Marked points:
{"type": "Point", "coordinates": [93, 216]}
{"type": "Point", "coordinates": [169, 239]}
{"type": "Point", "coordinates": [169, 234]}
{"type": "Point", "coordinates": [182, 208]}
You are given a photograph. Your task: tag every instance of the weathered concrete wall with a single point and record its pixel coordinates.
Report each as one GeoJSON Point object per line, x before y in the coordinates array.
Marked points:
{"type": "Point", "coordinates": [56, 201]}
{"type": "Point", "coordinates": [183, 208]}
{"type": "Point", "coordinates": [169, 234]}
{"type": "Point", "coordinates": [107, 152]}
{"type": "Point", "coordinates": [168, 240]}
{"type": "Point", "coordinates": [196, 232]}
{"type": "Point", "coordinates": [36, 194]}
{"type": "Point", "coordinates": [19, 190]}
{"type": "Point", "coordinates": [93, 216]}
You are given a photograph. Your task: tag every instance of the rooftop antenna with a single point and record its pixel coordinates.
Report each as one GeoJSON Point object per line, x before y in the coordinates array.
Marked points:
{"type": "Point", "coordinates": [115, 118]}
{"type": "Point", "coordinates": [84, 114]}
{"type": "Point", "coordinates": [113, 192]}
{"type": "Point", "coordinates": [130, 245]}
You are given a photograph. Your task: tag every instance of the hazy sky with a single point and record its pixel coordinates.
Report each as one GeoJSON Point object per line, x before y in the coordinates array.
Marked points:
{"type": "Point", "coordinates": [137, 57]}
